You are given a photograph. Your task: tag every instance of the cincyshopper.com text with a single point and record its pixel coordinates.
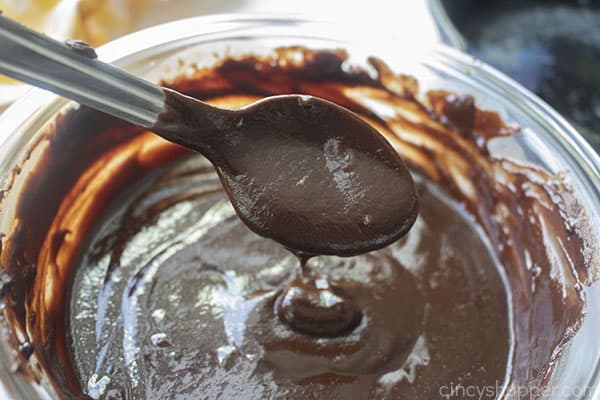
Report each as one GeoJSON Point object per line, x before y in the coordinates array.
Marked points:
{"type": "Point", "coordinates": [489, 392]}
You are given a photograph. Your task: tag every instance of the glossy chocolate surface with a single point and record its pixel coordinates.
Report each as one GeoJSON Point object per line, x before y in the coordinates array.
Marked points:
{"type": "Point", "coordinates": [134, 278]}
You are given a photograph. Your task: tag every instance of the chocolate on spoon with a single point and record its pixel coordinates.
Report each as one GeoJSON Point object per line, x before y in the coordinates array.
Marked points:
{"type": "Point", "coordinates": [300, 170]}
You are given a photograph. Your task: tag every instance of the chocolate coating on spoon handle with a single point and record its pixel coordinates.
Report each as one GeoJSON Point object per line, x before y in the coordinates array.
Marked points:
{"type": "Point", "coordinates": [81, 47]}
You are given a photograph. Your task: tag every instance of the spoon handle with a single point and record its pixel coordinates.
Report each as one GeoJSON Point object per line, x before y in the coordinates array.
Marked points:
{"type": "Point", "coordinates": [37, 59]}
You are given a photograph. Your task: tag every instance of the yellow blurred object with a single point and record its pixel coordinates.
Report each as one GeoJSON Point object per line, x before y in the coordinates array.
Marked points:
{"type": "Point", "coordinates": [94, 21]}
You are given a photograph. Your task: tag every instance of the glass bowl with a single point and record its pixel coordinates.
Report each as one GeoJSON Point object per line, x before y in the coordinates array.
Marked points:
{"type": "Point", "coordinates": [169, 50]}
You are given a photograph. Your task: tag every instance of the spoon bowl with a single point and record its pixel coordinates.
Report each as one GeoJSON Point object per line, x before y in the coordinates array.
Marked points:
{"type": "Point", "coordinates": [303, 171]}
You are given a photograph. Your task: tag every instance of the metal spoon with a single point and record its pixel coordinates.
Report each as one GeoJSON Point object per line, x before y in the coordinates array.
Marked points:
{"type": "Point", "coordinates": [299, 170]}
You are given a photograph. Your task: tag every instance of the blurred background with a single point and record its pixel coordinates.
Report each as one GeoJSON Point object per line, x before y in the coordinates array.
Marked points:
{"type": "Point", "coordinates": [550, 46]}
{"type": "Point", "coordinates": [98, 21]}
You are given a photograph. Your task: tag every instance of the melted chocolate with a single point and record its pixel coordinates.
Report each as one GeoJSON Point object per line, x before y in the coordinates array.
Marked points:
{"type": "Point", "coordinates": [169, 293]}
{"type": "Point", "coordinates": [203, 296]}
{"type": "Point", "coordinates": [301, 171]}
{"type": "Point", "coordinates": [313, 306]}
{"type": "Point", "coordinates": [81, 47]}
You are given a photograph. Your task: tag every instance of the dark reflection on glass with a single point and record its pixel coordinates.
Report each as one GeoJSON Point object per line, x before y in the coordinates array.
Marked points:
{"type": "Point", "coordinates": [551, 47]}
